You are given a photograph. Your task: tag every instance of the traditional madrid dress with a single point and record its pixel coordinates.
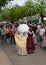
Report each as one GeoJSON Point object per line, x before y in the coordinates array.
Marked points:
{"type": "Point", "coordinates": [30, 41]}
{"type": "Point", "coordinates": [21, 41]}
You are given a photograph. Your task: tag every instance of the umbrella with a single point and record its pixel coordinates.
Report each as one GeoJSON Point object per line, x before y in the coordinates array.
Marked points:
{"type": "Point", "coordinates": [23, 28]}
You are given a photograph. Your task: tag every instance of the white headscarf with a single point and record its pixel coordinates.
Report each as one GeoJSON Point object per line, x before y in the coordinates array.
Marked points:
{"type": "Point", "coordinates": [23, 28]}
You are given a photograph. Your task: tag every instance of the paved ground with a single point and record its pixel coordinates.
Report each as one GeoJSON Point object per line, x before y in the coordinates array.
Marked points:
{"type": "Point", "coordinates": [4, 59]}
{"type": "Point", "coordinates": [9, 56]}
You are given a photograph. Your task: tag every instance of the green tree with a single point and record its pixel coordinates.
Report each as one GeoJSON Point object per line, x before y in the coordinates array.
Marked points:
{"type": "Point", "coordinates": [30, 8]}
{"type": "Point", "coordinates": [29, 5]}
{"type": "Point", "coordinates": [36, 6]}
{"type": "Point", "coordinates": [3, 2]}
{"type": "Point", "coordinates": [41, 7]}
{"type": "Point", "coordinates": [4, 15]}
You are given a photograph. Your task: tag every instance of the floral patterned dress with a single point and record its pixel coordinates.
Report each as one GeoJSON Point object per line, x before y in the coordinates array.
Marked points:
{"type": "Point", "coordinates": [30, 42]}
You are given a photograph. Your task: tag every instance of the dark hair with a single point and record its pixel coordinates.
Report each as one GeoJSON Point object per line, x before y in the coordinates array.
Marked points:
{"type": "Point", "coordinates": [45, 32]}
{"type": "Point", "coordinates": [22, 22]}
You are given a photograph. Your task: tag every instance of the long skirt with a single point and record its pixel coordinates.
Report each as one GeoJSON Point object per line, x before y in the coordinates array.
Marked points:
{"type": "Point", "coordinates": [21, 44]}
{"type": "Point", "coordinates": [44, 43]}
{"type": "Point", "coordinates": [30, 44]}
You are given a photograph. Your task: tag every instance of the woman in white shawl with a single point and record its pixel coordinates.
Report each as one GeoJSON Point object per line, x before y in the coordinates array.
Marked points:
{"type": "Point", "coordinates": [21, 39]}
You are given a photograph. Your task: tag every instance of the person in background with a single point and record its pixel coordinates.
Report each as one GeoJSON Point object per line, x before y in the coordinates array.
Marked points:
{"type": "Point", "coordinates": [0, 31]}
{"type": "Point", "coordinates": [39, 26]}
{"type": "Point", "coordinates": [34, 28]}
{"type": "Point", "coordinates": [42, 31]}
{"type": "Point", "coordinates": [38, 30]}
{"type": "Point", "coordinates": [44, 41]}
{"type": "Point", "coordinates": [7, 31]}
{"type": "Point", "coordinates": [12, 32]}
{"type": "Point", "coordinates": [35, 35]}
{"type": "Point", "coordinates": [2, 35]}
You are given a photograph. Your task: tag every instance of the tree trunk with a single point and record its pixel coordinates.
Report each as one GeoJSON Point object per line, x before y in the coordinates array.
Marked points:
{"type": "Point", "coordinates": [41, 17]}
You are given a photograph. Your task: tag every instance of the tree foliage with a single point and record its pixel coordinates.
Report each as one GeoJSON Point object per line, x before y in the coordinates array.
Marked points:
{"type": "Point", "coordinates": [30, 8]}
{"type": "Point", "coordinates": [3, 2]}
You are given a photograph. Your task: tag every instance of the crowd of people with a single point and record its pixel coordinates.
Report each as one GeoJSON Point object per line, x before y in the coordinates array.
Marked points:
{"type": "Point", "coordinates": [25, 42]}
